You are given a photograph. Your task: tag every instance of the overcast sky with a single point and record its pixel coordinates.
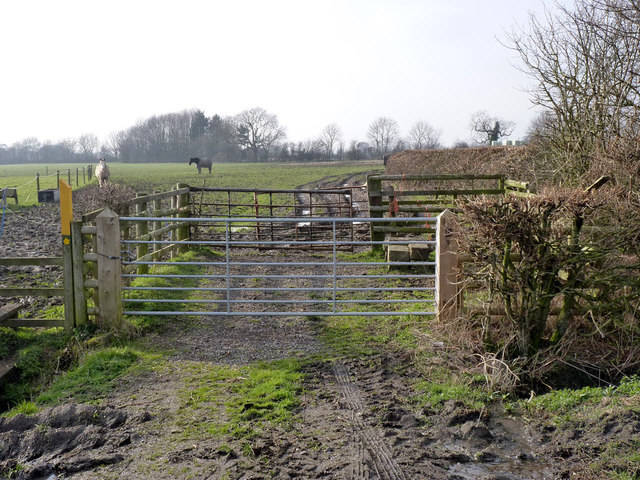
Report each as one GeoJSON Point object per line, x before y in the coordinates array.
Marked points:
{"type": "Point", "coordinates": [71, 67]}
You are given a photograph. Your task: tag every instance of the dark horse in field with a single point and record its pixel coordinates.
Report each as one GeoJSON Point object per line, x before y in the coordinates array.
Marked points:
{"type": "Point", "coordinates": [201, 163]}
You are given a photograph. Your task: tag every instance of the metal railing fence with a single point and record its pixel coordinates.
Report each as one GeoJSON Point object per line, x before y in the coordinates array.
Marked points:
{"type": "Point", "coordinates": [243, 281]}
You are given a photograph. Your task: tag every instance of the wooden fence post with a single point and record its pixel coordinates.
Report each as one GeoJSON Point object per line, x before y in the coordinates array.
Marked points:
{"type": "Point", "coordinates": [375, 200]}
{"type": "Point", "coordinates": [77, 251]}
{"type": "Point", "coordinates": [183, 205]}
{"type": "Point", "coordinates": [109, 268]}
{"type": "Point", "coordinates": [447, 285]}
{"type": "Point", "coordinates": [157, 206]}
{"type": "Point", "coordinates": [142, 228]}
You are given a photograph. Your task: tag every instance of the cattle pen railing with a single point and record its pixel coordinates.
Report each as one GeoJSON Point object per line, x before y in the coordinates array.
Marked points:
{"type": "Point", "coordinates": [212, 202]}
{"type": "Point", "coordinates": [332, 277]}
{"type": "Point", "coordinates": [160, 225]}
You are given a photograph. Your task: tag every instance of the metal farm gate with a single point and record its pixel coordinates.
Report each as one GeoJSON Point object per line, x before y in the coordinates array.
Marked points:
{"type": "Point", "coordinates": [335, 273]}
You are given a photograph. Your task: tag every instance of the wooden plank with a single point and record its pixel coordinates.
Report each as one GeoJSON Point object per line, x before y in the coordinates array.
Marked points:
{"type": "Point", "coordinates": [35, 292]}
{"type": "Point", "coordinates": [437, 177]}
{"type": "Point", "coordinates": [22, 261]}
{"type": "Point", "coordinates": [265, 191]}
{"type": "Point", "coordinates": [403, 230]}
{"type": "Point", "coordinates": [158, 196]}
{"type": "Point", "coordinates": [33, 322]}
{"type": "Point", "coordinates": [9, 310]}
{"type": "Point", "coordinates": [407, 193]}
{"type": "Point", "coordinates": [159, 232]}
{"type": "Point", "coordinates": [518, 193]}
{"type": "Point", "coordinates": [516, 184]}
{"type": "Point", "coordinates": [412, 209]}
{"type": "Point", "coordinates": [89, 217]}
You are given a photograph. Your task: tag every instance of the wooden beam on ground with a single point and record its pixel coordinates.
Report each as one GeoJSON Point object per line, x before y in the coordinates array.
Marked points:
{"type": "Point", "coordinates": [33, 322]}
{"type": "Point", "coordinates": [7, 367]}
{"type": "Point", "coordinates": [9, 310]}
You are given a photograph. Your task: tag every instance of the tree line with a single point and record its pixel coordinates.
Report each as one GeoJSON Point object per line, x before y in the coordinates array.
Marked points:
{"type": "Point", "coordinates": [253, 135]}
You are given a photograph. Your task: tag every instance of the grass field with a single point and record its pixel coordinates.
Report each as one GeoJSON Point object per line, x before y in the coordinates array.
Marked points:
{"type": "Point", "coordinates": [148, 177]}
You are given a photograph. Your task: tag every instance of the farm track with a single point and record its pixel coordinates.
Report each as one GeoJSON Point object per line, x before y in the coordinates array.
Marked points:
{"type": "Point", "coordinates": [358, 418]}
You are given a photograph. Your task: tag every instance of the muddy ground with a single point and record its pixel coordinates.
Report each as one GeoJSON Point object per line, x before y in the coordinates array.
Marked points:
{"type": "Point", "coordinates": [358, 418]}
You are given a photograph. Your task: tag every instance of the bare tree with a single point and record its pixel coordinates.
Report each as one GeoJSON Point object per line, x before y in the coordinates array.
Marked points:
{"type": "Point", "coordinates": [256, 129]}
{"type": "Point", "coordinates": [112, 145]}
{"type": "Point", "coordinates": [584, 61]}
{"type": "Point", "coordinates": [423, 136]}
{"type": "Point", "coordinates": [383, 134]}
{"type": "Point", "coordinates": [487, 129]}
{"type": "Point", "coordinates": [88, 144]}
{"type": "Point", "coordinates": [331, 138]}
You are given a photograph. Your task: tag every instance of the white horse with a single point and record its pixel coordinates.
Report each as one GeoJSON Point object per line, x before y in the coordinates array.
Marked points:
{"type": "Point", "coordinates": [102, 172]}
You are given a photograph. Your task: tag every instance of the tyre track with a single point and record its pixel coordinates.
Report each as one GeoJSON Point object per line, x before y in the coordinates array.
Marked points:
{"type": "Point", "coordinates": [382, 460]}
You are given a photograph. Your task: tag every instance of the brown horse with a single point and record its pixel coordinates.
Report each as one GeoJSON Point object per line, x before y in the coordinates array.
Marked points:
{"type": "Point", "coordinates": [201, 163]}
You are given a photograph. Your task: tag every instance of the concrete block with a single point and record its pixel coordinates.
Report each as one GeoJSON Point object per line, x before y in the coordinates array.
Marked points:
{"type": "Point", "coordinates": [398, 253]}
{"type": "Point", "coordinates": [419, 252]}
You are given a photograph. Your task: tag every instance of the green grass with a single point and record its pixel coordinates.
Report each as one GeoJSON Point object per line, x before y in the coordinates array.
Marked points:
{"type": "Point", "coordinates": [93, 378]}
{"type": "Point", "coordinates": [38, 353]}
{"type": "Point", "coordinates": [23, 177]}
{"type": "Point", "coordinates": [434, 394]}
{"type": "Point", "coordinates": [240, 401]}
{"type": "Point", "coordinates": [149, 177]}
{"type": "Point", "coordinates": [564, 402]}
{"type": "Point", "coordinates": [145, 322]}
{"type": "Point", "coordinates": [575, 408]}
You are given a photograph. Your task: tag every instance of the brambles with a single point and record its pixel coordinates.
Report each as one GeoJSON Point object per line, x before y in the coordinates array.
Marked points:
{"type": "Point", "coordinates": [554, 275]}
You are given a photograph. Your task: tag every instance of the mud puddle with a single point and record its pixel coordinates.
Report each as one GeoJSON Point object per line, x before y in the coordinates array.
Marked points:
{"type": "Point", "coordinates": [503, 449]}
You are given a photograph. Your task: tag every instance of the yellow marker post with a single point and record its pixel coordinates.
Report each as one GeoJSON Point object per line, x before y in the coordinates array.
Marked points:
{"type": "Point", "coordinates": [66, 216]}
{"type": "Point", "coordinates": [66, 208]}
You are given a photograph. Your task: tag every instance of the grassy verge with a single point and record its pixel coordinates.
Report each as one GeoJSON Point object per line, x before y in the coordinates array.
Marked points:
{"type": "Point", "coordinates": [45, 355]}
{"type": "Point", "coordinates": [38, 356]}
{"type": "Point", "coordinates": [240, 401]}
{"type": "Point", "coordinates": [594, 411]}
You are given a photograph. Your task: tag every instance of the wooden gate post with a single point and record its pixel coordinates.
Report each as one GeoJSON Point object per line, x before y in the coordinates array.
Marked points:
{"type": "Point", "coordinates": [77, 250]}
{"type": "Point", "coordinates": [183, 205]}
{"type": "Point", "coordinates": [142, 228]}
{"type": "Point", "coordinates": [447, 285]}
{"type": "Point", "coordinates": [109, 268]}
{"type": "Point", "coordinates": [374, 190]}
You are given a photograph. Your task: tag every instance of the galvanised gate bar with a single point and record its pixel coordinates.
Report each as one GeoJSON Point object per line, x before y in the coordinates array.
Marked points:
{"type": "Point", "coordinates": [241, 280]}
